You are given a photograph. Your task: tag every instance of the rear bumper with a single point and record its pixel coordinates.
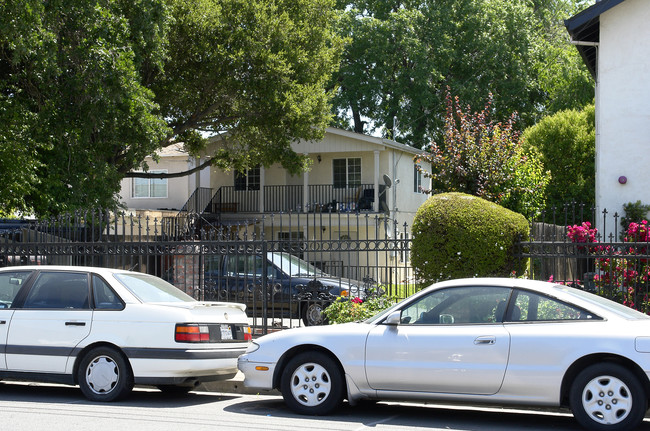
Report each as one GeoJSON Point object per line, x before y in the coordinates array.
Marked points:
{"type": "Point", "coordinates": [176, 366]}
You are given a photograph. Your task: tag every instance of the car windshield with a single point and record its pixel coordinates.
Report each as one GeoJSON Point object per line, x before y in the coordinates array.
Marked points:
{"type": "Point", "coordinates": [620, 309]}
{"type": "Point", "coordinates": [293, 266]}
{"type": "Point", "coordinates": [151, 289]}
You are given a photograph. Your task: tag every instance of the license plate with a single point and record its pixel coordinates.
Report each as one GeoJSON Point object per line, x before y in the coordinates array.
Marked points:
{"type": "Point", "coordinates": [226, 332]}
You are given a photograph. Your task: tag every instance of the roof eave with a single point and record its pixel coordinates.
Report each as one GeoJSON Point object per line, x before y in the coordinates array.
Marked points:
{"type": "Point", "coordinates": [584, 29]}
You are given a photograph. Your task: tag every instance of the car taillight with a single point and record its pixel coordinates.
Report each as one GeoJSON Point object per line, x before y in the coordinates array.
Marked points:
{"type": "Point", "coordinates": [192, 333]}
{"type": "Point", "coordinates": [248, 333]}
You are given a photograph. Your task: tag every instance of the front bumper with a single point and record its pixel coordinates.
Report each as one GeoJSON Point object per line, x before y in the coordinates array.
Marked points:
{"type": "Point", "coordinates": [257, 375]}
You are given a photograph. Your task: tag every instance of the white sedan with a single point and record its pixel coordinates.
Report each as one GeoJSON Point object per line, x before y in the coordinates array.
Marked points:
{"type": "Point", "coordinates": [502, 341]}
{"type": "Point", "coordinates": [106, 330]}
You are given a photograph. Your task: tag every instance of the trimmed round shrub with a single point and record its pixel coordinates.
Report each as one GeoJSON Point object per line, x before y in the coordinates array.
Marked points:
{"type": "Point", "coordinates": [457, 235]}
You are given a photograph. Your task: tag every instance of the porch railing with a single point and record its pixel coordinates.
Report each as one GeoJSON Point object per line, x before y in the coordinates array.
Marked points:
{"type": "Point", "coordinates": [291, 198]}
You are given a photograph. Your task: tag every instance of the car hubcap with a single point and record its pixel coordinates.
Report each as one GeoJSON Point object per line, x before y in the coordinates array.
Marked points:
{"type": "Point", "coordinates": [607, 400]}
{"type": "Point", "coordinates": [102, 374]}
{"type": "Point", "coordinates": [315, 314]}
{"type": "Point", "coordinates": [310, 384]}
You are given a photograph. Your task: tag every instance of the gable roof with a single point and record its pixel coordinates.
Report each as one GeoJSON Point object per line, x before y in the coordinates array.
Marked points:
{"type": "Point", "coordinates": [584, 29]}
{"type": "Point", "coordinates": [385, 142]}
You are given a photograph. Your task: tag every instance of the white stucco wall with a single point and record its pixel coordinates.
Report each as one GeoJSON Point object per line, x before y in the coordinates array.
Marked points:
{"type": "Point", "coordinates": [623, 107]}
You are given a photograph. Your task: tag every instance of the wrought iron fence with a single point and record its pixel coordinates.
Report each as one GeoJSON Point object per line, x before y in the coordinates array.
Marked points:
{"type": "Point", "coordinates": [592, 251]}
{"type": "Point", "coordinates": [285, 267]}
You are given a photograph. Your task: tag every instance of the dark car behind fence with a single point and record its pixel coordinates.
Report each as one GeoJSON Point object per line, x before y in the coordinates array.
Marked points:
{"type": "Point", "coordinates": [233, 260]}
{"type": "Point", "coordinates": [286, 268]}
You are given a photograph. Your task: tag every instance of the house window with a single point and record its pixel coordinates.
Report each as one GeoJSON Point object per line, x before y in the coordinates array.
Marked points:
{"type": "Point", "coordinates": [417, 179]}
{"type": "Point", "coordinates": [248, 180]}
{"type": "Point", "coordinates": [347, 173]}
{"type": "Point", "coordinates": [150, 187]}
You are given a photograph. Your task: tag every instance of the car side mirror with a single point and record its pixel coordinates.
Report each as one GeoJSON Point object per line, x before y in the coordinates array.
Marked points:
{"type": "Point", "coordinates": [394, 318]}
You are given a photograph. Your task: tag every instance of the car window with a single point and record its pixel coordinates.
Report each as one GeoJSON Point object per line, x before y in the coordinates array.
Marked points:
{"type": "Point", "coordinates": [105, 298]}
{"type": "Point", "coordinates": [294, 266]}
{"type": "Point", "coordinates": [458, 305]}
{"type": "Point", "coordinates": [60, 290]}
{"type": "Point", "coordinates": [148, 288]}
{"type": "Point", "coordinates": [243, 265]}
{"type": "Point", "coordinates": [10, 284]}
{"type": "Point", "coordinates": [531, 307]}
{"type": "Point", "coordinates": [620, 309]}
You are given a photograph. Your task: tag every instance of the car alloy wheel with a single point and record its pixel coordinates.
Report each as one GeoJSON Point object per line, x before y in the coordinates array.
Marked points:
{"type": "Point", "coordinates": [104, 375]}
{"type": "Point", "coordinates": [607, 397]}
{"type": "Point", "coordinates": [312, 383]}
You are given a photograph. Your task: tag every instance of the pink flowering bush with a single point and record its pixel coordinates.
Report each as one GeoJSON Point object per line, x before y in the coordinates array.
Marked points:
{"type": "Point", "coordinates": [620, 272]}
{"type": "Point", "coordinates": [582, 234]}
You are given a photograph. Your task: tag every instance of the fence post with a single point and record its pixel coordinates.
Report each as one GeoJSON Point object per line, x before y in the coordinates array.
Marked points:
{"type": "Point", "coordinates": [265, 277]}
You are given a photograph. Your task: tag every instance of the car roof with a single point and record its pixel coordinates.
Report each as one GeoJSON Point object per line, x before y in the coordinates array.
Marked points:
{"type": "Point", "coordinates": [98, 270]}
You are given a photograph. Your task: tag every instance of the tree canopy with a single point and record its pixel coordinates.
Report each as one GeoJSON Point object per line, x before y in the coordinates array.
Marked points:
{"type": "Point", "coordinates": [403, 54]}
{"type": "Point", "coordinates": [89, 89]}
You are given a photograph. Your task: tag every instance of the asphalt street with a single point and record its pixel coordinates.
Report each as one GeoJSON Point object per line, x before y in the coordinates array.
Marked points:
{"type": "Point", "coordinates": [41, 407]}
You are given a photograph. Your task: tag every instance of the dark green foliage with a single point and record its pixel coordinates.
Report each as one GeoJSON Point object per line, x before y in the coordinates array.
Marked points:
{"type": "Point", "coordinates": [402, 55]}
{"type": "Point", "coordinates": [566, 144]}
{"type": "Point", "coordinates": [89, 89]}
{"type": "Point", "coordinates": [458, 235]}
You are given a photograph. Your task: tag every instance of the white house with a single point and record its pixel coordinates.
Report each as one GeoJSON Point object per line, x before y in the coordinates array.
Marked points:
{"type": "Point", "coordinates": [349, 170]}
{"type": "Point", "coordinates": [613, 37]}
{"type": "Point", "coordinates": [360, 189]}
{"type": "Point", "coordinates": [163, 196]}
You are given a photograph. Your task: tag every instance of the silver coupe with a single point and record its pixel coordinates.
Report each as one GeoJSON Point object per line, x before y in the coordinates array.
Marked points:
{"type": "Point", "coordinates": [480, 340]}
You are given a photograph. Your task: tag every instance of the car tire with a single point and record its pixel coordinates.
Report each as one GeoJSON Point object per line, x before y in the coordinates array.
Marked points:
{"type": "Point", "coordinates": [312, 384]}
{"type": "Point", "coordinates": [104, 375]}
{"type": "Point", "coordinates": [608, 397]}
{"type": "Point", "coordinates": [312, 313]}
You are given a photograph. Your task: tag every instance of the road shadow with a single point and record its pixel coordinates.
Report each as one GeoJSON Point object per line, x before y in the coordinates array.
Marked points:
{"type": "Point", "coordinates": [423, 416]}
{"type": "Point", "coordinates": [140, 397]}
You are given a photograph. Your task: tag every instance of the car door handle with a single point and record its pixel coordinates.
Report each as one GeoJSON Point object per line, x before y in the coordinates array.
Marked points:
{"type": "Point", "coordinates": [2, 322]}
{"type": "Point", "coordinates": [485, 340]}
{"type": "Point", "coordinates": [75, 323]}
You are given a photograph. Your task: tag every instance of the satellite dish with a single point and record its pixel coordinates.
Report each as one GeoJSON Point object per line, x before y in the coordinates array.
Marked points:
{"type": "Point", "coordinates": [387, 181]}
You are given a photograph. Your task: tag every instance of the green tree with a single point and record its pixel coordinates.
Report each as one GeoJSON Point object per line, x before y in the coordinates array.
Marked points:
{"type": "Point", "coordinates": [485, 158]}
{"type": "Point", "coordinates": [69, 88]}
{"type": "Point", "coordinates": [255, 70]}
{"type": "Point", "coordinates": [403, 54]}
{"type": "Point", "coordinates": [89, 89]}
{"type": "Point", "coordinates": [566, 144]}
{"type": "Point", "coordinates": [561, 75]}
